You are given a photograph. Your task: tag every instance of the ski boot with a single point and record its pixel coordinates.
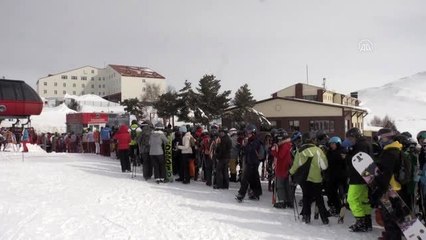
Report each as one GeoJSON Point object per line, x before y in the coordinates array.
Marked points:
{"type": "Point", "coordinates": [254, 197]}
{"type": "Point", "coordinates": [306, 219]}
{"type": "Point", "coordinates": [359, 225]}
{"type": "Point", "coordinates": [279, 205]}
{"type": "Point", "coordinates": [325, 220]}
{"type": "Point", "coordinates": [333, 212]}
{"type": "Point", "coordinates": [368, 223]}
{"type": "Point", "coordinates": [239, 197]}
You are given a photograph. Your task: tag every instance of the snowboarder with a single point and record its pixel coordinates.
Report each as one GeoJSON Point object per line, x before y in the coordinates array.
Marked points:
{"type": "Point", "coordinates": [358, 189]}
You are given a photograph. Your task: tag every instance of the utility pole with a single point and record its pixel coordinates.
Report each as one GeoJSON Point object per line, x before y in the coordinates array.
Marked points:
{"type": "Point", "coordinates": [307, 74]}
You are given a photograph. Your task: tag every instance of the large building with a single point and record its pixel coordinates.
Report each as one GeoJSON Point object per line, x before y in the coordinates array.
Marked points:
{"type": "Point", "coordinates": [114, 82]}
{"type": "Point", "coordinates": [311, 108]}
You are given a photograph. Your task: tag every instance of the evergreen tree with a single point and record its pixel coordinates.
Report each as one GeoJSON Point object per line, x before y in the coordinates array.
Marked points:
{"type": "Point", "coordinates": [152, 93]}
{"type": "Point", "coordinates": [166, 105]}
{"type": "Point", "coordinates": [133, 106]}
{"type": "Point", "coordinates": [187, 104]}
{"type": "Point", "coordinates": [243, 102]}
{"type": "Point", "coordinates": [212, 103]}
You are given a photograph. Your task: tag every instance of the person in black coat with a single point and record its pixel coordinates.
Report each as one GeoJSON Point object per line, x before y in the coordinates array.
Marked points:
{"type": "Point", "coordinates": [223, 155]}
{"type": "Point", "coordinates": [336, 179]}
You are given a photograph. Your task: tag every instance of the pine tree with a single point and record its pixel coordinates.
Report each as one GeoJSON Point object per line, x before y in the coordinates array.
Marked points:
{"type": "Point", "coordinates": [212, 103]}
{"type": "Point", "coordinates": [187, 103]}
{"type": "Point", "coordinates": [243, 102]}
{"type": "Point", "coordinates": [133, 106]}
{"type": "Point", "coordinates": [166, 105]}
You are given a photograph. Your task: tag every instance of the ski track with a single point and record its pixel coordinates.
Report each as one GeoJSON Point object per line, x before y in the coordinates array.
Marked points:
{"type": "Point", "coordinates": [78, 196]}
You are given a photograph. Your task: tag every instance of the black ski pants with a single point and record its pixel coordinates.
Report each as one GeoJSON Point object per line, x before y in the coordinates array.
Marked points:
{"type": "Point", "coordinates": [222, 175]}
{"type": "Point", "coordinates": [312, 192]}
{"type": "Point", "coordinates": [124, 159]}
{"type": "Point", "coordinates": [147, 166]}
{"type": "Point", "coordinates": [159, 164]}
{"type": "Point", "coordinates": [250, 178]}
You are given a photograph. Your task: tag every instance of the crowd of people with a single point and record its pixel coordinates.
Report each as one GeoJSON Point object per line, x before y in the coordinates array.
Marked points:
{"type": "Point", "coordinates": [320, 164]}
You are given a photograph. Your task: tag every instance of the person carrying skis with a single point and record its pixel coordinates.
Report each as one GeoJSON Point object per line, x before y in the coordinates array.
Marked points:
{"type": "Point", "coordinates": [250, 175]}
{"type": "Point", "coordinates": [312, 185]}
{"type": "Point", "coordinates": [281, 150]}
{"type": "Point", "coordinates": [335, 176]}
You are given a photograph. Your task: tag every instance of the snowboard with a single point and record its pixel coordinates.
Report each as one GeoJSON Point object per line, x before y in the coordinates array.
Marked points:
{"type": "Point", "coordinates": [168, 158]}
{"type": "Point", "coordinates": [410, 226]}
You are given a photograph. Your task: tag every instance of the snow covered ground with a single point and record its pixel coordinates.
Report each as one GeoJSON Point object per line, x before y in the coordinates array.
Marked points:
{"type": "Point", "coordinates": [77, 196]}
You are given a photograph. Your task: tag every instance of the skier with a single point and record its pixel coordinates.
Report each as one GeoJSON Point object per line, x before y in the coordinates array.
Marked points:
{"type": "Point", "coordinates": [145, 148]}
{"type": "Point", "coordinates": [186, 149]}
{"type": "Point", "coordinates": [250, 175]}
{"type": "Point", "coordinates": [205, 156]}
{"type": "Point", "coordinates": [135, 133]}
{"type": "Point", "coordinates": [281, 150]}
{"type": "Point", "coordinates": [358, 189]}
{"type": "Point", "coordinates": [156, 142]}
{"type": "Point", "coordinates": [335, 176]}
{"type": "Point", "coordinates": [223, 155]}
{"type": "Point", "coordinates": [389, 165]}
{"type": "Point", "coordinates": [312, 185]}
{"type": "Point", "coordinates": [234, 155]}
{"type": "Point", "coordinates": [123, 139]}
{"type": "Point", "coordinates": [105, 138]}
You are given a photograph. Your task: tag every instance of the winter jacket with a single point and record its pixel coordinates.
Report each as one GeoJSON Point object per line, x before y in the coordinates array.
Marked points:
{"type": "Point", "coordinates": [144, 139]}
{"type": "Point", "coordinates": [235, 147]}
{"type": "Point", "coordinates": [223, 149]}
{"type": "Point", "coordinates": [123, 138]}
{"type": "Point", "coordinates": [156, 141]}
{"type": "Point", "coordinates": [186, 144]}
{"type": "Point", "coordinates": [389, 163]}
{"type": "Point", "coordinates": [96, 136]}
{"type": "Point", "coordinates": [319, 162]}
{"type": "Point", "coordinates": [336, 165]}
{"type": "Point", "coordinates": [25, 135]}
{"type": "Point", "coordinates": [361, 145]}
{"type": "Point", "coordinates": [90, 137]}
{"type": "Point", "coordinates": [251, 150]}
{"type": "Point", "coordinates": [283, 156]}
{"type": "Point", "coordinates": [106, 133]}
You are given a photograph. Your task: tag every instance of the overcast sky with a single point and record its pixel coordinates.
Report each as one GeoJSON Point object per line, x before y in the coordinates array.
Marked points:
{"type": "Point", "coordinates": [265, 43]}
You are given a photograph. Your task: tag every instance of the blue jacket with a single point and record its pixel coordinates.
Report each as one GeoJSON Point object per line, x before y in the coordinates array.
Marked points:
{"type": "Point", "coordinates": [251, 151]}
{"type": "Point", "coordinates": [106, 133]}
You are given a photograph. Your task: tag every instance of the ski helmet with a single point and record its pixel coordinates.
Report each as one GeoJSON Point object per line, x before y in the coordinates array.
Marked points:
{"type": "Point", "coordinates": [335, 140]}
{"type": "Point", "coordinates": [386, 132]}
{"type": "Point", "coordinates": [321, 135]}
{"type": "Point", "coordinates": [421, 135]}
{"type": "Point", "coordinates": [281, 134]}
{"type": "Point", "coordinates": [354, 132]}
{"type": "Point", "coordinates": [251, 129]}
{"type": "Point", "coordinates": [296, 135]}
{"type": "Point", "coordinates": [404, 140]}
{"type": "Point", "coordinates": [308, 137]}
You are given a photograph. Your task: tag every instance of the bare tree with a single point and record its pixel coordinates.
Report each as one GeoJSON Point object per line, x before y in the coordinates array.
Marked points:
{"type": "Point", "coordinates": [152, 93]}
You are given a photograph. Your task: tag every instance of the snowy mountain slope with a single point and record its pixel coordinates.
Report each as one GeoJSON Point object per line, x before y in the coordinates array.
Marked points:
{"type": "Point", "coordinates": [404, 100]}
{"type": "Point", "coordinates": [84, 196]}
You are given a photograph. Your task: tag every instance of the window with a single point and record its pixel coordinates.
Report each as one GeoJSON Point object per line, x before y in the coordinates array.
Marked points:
{"type": "Point", "coordinates": [92, 79]}
{"type": "Point", "coordinates": [93, 71]}
{"type": "Point", "coordinates": [45, 91]}
{"type": "Point", "coordinates": [74, 77]}
{"type": "Point", "coordinates": [55, 84]}
{"type": "Point", "coordinates": [99, 93]}
{"type": "Point", "coordinates": [82, 92]}
{"type": "Point", "coordinates": [143, 89]}
{"type": "Point", "coordinates": [56, 92]}
{"type": "Point", "coordinates": [83, 85]}
{"type": "Point", "coordinates": [103, 85]}
{"type": "Point", "coordinates": [73, 92]}
{"type": "Point", "coordinates": [83, 78]}
{"type": "Point", "coordinates": [143, 80]}
{"type": "Point", "coordinates": [310, 97]}
{"type": "Point", "coordinates": [64, 77]}
{"type": "Point", "coordinates": [64, 84]}
{"type": "Point", "coordinates": [99, 78]}
{"type": "Point", "coordinates": [103, 78]}
{"type": "Point", "coordinates": [93, 86]}
{"type": "Point", "coordinates": [294, 125]}
{"type": "Point", "coordinates": [64, 92]}
{"type": "Point", "coordinates": [326, 125]}
{"type": "Point", "coordinates": [103, 93]}
{"type": "Point", "coordinates": [100, 85]}
{"type": "Point", "coordinates": [74, 85]}
{"type": "Point", "coordinates": [45, 83]}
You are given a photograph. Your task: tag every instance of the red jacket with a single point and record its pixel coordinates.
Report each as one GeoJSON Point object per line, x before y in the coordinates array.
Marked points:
{"type": "Point", "coordinates": [123, 138]}
{"type": "Point", "coordinates": [283, 159]}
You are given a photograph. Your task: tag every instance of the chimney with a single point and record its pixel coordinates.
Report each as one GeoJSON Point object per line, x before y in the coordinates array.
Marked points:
{"type": "Point", "coordinates": [299, 91]}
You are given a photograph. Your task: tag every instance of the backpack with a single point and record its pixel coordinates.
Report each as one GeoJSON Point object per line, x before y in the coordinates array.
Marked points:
{"type": "Point", "coordinates": [144, 139]}
{"type": "Point", "coordinates": [261, 152]}
{"type": "Point", "coordinates": [302, 172]}
{"type": "Point", "coordinates": [405, 173]}
{"type": "Point", "coordinates": [133, 133]}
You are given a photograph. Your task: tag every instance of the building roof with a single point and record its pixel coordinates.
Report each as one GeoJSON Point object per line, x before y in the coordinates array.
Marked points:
{"type": "Point", "coordinates": [313, 86]}
{"type": "Point", "coordinates": [132, 71]}
{"type": "Point", "coordinates": [345, 107]}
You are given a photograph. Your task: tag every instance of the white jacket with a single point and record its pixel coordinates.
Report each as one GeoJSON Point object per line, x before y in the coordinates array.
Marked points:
{"type": "Point", "coordinates": [186, 144]}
